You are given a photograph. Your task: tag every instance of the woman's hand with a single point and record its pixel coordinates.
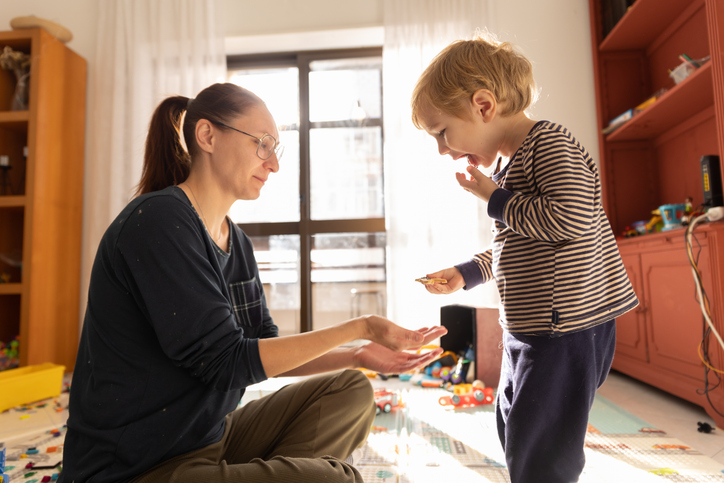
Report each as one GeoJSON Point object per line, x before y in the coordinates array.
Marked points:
{"type": "Point", "coordinates": [388, 334]}
{"type": "Point", "coordinates": [455, 281]}
{"type": "Point", "coordinates": [478, 184]}
{"type": "Point", "coordinates": [377, 358]}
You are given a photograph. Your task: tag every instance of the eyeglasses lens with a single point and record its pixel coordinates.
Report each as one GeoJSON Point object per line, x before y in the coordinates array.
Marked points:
{"type": "Point", "coordinates": [266, 147]}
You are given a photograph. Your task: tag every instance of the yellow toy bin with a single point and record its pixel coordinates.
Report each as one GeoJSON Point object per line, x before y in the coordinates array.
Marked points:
{"type": "Point", "coordinates": [29, 384]}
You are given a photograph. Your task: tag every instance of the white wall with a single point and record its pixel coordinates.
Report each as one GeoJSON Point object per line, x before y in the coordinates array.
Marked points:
{"type": "Point", "coordinates": [554, 35]}
{"type": "Point", "coordinates": [245, 17]}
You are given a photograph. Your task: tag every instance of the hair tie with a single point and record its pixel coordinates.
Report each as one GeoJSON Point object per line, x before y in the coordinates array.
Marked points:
{"type": "Point", "coordinates": [188, 104]}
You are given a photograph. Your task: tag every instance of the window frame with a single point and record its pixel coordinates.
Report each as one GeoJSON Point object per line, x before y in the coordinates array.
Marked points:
{"type": "Point", "coordinates": [306, 228]}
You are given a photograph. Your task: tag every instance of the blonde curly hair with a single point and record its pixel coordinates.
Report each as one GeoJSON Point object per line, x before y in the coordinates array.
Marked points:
{"type": "Point", "coordinates": [466, 66]}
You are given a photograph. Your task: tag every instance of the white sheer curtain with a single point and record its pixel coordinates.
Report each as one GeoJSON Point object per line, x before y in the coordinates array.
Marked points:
{"type": "Point", "coordinates": [431, 222]}
{"type": "Point", "coordinates": [146, 50]}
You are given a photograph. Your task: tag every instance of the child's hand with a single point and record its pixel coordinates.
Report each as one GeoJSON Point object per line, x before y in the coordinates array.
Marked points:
{"type": "Point", "coordinates": [455, 281]}
{"type": "Point", "coordinates": [479, 184]}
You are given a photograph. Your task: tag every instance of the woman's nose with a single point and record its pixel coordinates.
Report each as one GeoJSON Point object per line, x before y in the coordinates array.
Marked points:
{"type": "Point", "coordinates": [272, 163]}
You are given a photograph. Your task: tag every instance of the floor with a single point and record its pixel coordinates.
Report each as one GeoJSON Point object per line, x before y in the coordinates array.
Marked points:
{"type": "Point", "coordinates": [677, 417]}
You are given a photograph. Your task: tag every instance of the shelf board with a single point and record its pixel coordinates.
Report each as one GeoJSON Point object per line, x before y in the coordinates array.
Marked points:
{"type": "Point", "coordinates": [692, 95]}
{"type": "Point", "coordinates": [15, 120]}
{"type": "Point", "coordinates": [643, 23]}
{"type": "Point", "coordinates": [12, 201]}
{"type": "Point", "coordinates": [10, 288]}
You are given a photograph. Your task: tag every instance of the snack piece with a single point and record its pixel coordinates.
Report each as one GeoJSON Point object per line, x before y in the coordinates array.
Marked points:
{"type": "Point", "coordinates": [430, 281]}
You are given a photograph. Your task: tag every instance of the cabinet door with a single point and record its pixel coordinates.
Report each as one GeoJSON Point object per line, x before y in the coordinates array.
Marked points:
{"type": "Point", "coordinates": [631, 326]}
{"type": "Point", "coordinates": [674, 318]}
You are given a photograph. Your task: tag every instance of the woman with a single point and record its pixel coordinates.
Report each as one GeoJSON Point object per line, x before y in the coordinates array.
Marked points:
{"type": "Point", "coordinates": [177, 326]}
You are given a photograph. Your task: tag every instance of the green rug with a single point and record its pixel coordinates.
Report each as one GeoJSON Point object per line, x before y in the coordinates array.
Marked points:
{"type": "Point", "coordinates": [425, 442]}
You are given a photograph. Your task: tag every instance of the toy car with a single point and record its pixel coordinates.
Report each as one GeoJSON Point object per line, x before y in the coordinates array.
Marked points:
{"type": "Point", "coordinates": [385, 400]}
{"type": "Point", "coordinates": [473, 397]}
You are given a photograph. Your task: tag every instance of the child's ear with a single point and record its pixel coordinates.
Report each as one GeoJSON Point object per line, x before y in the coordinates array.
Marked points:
{"type": "Point", "coordinates": [484, 104]}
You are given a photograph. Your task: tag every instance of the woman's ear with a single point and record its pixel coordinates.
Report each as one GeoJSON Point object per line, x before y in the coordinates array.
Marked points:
{"type": "Point", "coordinates": [484, 104]}
{"type": "Point", "coordinates": [205, 135]}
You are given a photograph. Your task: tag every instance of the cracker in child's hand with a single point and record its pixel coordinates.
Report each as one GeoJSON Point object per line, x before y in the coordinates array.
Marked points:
{"type": "Point", "coordinates": [430, 281]}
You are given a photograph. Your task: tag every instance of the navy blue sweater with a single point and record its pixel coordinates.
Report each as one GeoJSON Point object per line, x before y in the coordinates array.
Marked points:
{"type": "Point", "coordinates": [169, 342]}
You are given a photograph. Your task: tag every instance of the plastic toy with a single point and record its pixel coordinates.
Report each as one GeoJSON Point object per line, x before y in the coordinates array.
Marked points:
{"type": "Point", "coordinates": [426, 381]}
{"type": "Point", "coordinates": [460, 372]}
{"type": "Point", "coordinates": [671, 215]}
{"type": "Point", "coordinates": [9, 354]}
{"type": "Point", "coordinates": [385, 400]}
{"type": "Point", "coordinates": [373, 374]}
{"type": "Point", "coordinates": [3, 477]}
{"type": "Point", "coordinates": [466, 395]}
{"type": "Point", "coordinates": [656, 223]}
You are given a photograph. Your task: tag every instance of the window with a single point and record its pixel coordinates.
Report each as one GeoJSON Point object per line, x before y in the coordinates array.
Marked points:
{"type": "Point", "coordinates": [318, 227]}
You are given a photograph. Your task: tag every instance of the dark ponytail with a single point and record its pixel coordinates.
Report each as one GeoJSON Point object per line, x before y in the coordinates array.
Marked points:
{"type": "Point", "coordinates": [165, 161]}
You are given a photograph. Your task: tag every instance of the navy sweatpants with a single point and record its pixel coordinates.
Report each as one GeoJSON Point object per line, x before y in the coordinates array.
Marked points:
{"type": "Point", "coordinates": [546, 391]}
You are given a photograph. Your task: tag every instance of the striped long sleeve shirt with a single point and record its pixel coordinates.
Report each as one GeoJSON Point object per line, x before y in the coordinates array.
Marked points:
{"type": "Point", "coordinates": [553, 253]}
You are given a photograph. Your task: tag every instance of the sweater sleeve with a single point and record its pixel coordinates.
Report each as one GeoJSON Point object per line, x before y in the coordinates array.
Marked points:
{"type": "Point", "coordinates": [564, 189]}
{"type": "Point", "coordinates": [477, 271]}
{"type": "Point", "coordinates": [173, 274]}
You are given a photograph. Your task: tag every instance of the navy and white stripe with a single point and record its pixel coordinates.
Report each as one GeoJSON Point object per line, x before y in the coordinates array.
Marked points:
{"type": "Point", "coordinates": [553, 254]}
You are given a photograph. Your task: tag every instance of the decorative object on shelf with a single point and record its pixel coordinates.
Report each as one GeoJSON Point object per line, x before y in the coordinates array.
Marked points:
{"type": "Point", "coordinates": [5, 187]}
{"type": "Point", "coordinates": [13, 259]}
{"type": "Point", "coordinates": [31, 21]}
{"type": "Point", "coordinates": [9, 354]}
{"type": "Point", "coordinates": [19, 63]}
{"type": "Point", "coordinates": [687, 67]}
{"type": "Point", "coordinates": [672, 215]}
{"type": "Point", "coordinates": [623, 118]}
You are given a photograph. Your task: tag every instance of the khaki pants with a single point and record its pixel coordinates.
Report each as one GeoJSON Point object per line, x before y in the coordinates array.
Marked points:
{"type": "Point", "coordinates": [298, 434]}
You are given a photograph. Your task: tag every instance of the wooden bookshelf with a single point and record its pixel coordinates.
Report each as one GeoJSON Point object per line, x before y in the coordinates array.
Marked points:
{"type": "Point", "coordinates": [652, 160]}
{"type": "Point", "coordinates": [40, 218]}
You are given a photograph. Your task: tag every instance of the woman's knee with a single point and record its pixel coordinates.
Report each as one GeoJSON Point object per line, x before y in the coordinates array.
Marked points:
{"type": "Point", "coordinates": [358, 388]}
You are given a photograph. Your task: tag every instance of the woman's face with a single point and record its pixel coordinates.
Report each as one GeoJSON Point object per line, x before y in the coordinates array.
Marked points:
{"type": "Point", "coordinates": [237, 166]}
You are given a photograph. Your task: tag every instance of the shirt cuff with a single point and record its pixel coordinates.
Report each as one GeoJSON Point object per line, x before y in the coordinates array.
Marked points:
{"type": "Point", "coordinates": [497, 202]}
{"type": "Point", "coordinates": [471, 274]}
{"type": "Point", "coordinates": [257, 372]}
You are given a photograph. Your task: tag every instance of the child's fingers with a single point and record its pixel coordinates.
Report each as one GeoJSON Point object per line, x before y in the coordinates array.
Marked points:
{"type": "Point", "coordinates": [464, 182]}
{"type": "Point", "coordinates": [476, 174]}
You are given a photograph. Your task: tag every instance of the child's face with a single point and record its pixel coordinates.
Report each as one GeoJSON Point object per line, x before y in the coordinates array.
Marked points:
{"type": "Point", "coordinates": [473, 136]}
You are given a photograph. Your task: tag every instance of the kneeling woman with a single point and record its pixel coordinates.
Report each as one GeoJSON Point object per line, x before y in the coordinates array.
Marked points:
{"type": "Point", "coordinates": [177, 326]}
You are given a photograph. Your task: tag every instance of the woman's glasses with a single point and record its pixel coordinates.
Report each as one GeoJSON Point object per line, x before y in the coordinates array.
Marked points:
{"type": "Point", "coordinates": [267, 144]}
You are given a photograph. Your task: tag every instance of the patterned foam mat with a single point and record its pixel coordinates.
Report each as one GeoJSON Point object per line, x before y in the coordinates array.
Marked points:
{"type": "Point", "coordinates": [422, 441]}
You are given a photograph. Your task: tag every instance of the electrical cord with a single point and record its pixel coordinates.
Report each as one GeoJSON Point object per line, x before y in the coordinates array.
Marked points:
{"type": "Point", "coordinates": [713, 214]}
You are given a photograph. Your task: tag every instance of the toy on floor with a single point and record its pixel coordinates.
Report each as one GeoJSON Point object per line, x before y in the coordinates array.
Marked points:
{"type": "Point", "coordinates": [460, 372]}
{"type": "Point", "coordinates": [373, 374]}
{"type": "Point", "coordinates": [468, 395]}
{"type": "Point", "coordinates": [3, 477]}
{"type": "Point", "coordinates": [385, 400]}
